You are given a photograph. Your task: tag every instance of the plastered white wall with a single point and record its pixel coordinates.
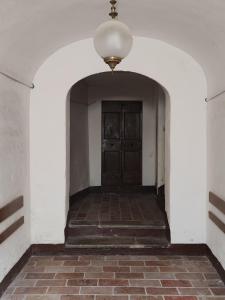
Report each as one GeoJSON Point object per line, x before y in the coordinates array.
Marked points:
{"type": "Point", "coordinates": [185, 82]}
{"type": "Point", "coordinates": [14, 169]}
{"type": "Point", "coordinates": [79, 149]}
{"type": "Point", "coordinates": [161, 116]}
{"type": "Point", "coordinates": [216, 172]}
{"type": "Point", "coordinates": [167, 155]}
{"type": "Point", "coordinates": [131, 92]}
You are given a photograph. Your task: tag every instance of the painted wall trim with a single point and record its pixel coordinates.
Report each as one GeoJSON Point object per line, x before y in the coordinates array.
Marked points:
{"type": "Point", "coordinates": [217, 202]}
{"type": "Point", "coordinates": [10, 208]}
{"type": "Point", "coordinates": [11, 229]}
{"type": "Point", "coordinates": [217, 221]}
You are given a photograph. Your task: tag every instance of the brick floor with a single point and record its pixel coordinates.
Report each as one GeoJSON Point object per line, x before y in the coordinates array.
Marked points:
{"type": "Point", "coordinates": [118, 278]}
{"type": "Point", "coordinates": [114, 208]}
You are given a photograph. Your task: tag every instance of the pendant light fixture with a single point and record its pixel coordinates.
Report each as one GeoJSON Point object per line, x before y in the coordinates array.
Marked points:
{"type": "Point", "coordinates": [113, 40]}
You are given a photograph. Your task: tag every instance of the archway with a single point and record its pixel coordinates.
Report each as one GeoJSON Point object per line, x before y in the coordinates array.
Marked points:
{"type": "Point", "coordinates": [117, 169]}
{"type": "Point", "coordinates": [180, 75]}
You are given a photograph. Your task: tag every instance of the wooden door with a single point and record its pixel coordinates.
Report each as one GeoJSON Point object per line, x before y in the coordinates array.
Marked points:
{"type": "Point", "coordinates": [121, 143]}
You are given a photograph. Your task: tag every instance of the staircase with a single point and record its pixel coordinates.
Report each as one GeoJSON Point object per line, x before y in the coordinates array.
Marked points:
{"type": "Point", "coordinates": [116, 221]}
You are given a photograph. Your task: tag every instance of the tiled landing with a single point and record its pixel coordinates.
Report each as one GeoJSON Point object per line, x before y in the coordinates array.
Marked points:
{"type": "Point", "coordinates": [115, 209]}
{"type": "Point", "coordinates": [118, 278]}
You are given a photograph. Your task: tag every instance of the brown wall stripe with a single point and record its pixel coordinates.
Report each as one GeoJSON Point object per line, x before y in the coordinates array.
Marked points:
{"type": "Point", "coordinates": [9, 209]}
{"type": "Point", "coordinates": [217, 221]}
{"type": "Point", "coordinates": [11, 229]}
{"type": "Point", "coordinates": [217, 202]}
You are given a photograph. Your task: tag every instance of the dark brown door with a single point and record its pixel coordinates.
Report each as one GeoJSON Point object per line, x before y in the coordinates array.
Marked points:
{"type": "Point", "coordinates": [121, 143]}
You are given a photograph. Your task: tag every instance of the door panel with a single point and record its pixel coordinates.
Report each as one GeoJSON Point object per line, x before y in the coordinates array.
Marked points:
{"type": "Point", "coordinates": [112, 168]}
{"type": "Point", "coordinates": [121, 143]}
{"type": "Point", "coordinates": [132, 168]}
{"type": "Point", "coordinates": [132, 128]}
{"type": "Point", "coordinates": [112, 126]}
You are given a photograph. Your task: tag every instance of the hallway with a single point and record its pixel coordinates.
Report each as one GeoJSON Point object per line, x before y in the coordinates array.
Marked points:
{"type": "Point", "coordinates": [116, 220]}
{"type": "Point", "coordinates": [117, 278]}
{"type": "Point", "coordinates": [117, 93]}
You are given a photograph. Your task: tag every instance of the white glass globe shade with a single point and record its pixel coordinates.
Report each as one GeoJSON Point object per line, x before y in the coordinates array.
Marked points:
{"type": "Point", "coordinates": [113, 39]}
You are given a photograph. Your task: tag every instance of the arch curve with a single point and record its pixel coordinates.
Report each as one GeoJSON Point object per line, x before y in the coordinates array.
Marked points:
{"type": "Point", "coordinates": [185, 83]}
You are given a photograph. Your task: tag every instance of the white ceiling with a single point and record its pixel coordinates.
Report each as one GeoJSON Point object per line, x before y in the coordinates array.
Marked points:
{"type": "Point", "coordinates": [30, 30]}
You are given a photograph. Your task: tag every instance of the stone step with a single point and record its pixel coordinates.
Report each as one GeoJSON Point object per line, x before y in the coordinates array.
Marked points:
{"type": "Point", "coordinates": [115, 231]}
{"type": "Point", "coordinates": [115, 242]}
{"type": "Point", "coordinates": [117, 224]}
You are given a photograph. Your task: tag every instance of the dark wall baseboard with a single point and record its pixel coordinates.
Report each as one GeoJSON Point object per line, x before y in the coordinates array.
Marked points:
{"type": "Point", "coordinates": [59, 249]}
{"type": "Point", "coordinates": [161, 197]}
{"type": "Point", "coordinates": [47, 249]}
{"type": "Point", "coordinates": [217, 265]}
{"type": "Point", "coordinates": [14, 271]}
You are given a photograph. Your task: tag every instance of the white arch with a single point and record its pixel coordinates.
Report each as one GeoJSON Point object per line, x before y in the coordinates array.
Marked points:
{"type": "Point", "coordinates": [185, 81]}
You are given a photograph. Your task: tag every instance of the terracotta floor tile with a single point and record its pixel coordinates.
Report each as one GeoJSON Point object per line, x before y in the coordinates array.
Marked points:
{"type": "Point", "coordinates": [112, 298]}
{"type": "Point", "coordinates": [208, 283]}
{"type": "Point", "coordinates": [113, 282]}
{"type": "Point", "coordinates": [194, 291]}
{"type": "Point", "coordinates": [211, 275]}
{"type": "Point", "coordinates": [46, 263]}
{"type": "Point", "coordinates": [158, 275]}
{"type": "Point", "coordinates": [40, 276]}
{"type": "Point", "coordinates": [45, 297]}
{"type": "Point", "coordinates": [116, 269]}
{"type": "Point", "coordinates": [103, 275]}
{"type": "Point", "coordinates": [88, 269]}
{"type": "Point", "coordinates": [145, 282]}
{"type": "Point", "coordinates": [67, 257]}
{"type": "Point", "coordinates": [96, 290]}
{"type": "Point", "coordinates": [131, 263]}
{"type": "Point", "coordinates": [172, 269]}
{"type": "Point", "coordinates": [63, 290]}
{"type": "Point", "coordinates": [47, 282]}
{"type": "Point", "coordinates": [162, 291]}
{"type": "Point", "coordinates": [82, 282]}
{"type": "Point", "coordinates": [211, 298]}
{"type": "Point", "coordinates": [146, 298]}
{"type": "Point", "coordinates": [157, 263]}
{"type": "Point", "coordinates": [69, 276]}
{"type": "Point", "coordinates": [104, 263]}
{"type": "Point", "coordinates": [189, 276]}
{"type": "Point", "coordinates": [69, 263]}
{"type": "Point", "coordinates": [129, 290]}
{"type": "Point", "coordinates": [176, 283]}
{"type": "Point", "coordinates": [77, 297]}
{"type": "Point", "coordinates": [54, 269]}
{"type": "Point", "coordinates": [23, 282]}
{"type": "Point", "coordinates": [33, 269]}
{"type": "Point", "coordinates": [218, 291]}
{"type": "Point", "coordinates": [129, 276]}
{"type": "Point", "coordinates": [180, 298]}
{"type": "Point", "coordinates": [30, 290]}
{"type": "Point", "coordinates": [144, 269]}
{"type": "Point", "coordinates": [13, 297]}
